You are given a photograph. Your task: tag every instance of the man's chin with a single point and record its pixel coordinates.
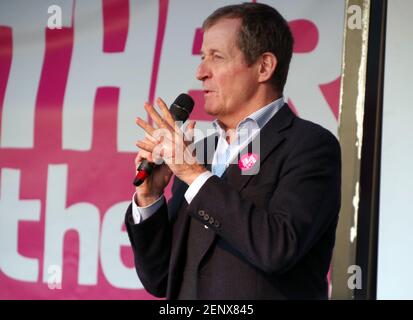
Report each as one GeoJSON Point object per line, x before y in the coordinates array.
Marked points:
{"type": "Point", "coordinates": [211, 113]}
{"type": "Point", "coordinates": [211, 110]}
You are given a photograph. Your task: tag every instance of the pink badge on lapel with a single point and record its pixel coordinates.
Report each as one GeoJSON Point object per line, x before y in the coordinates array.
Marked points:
{"type": "Point", "coordinates": [247, 161]}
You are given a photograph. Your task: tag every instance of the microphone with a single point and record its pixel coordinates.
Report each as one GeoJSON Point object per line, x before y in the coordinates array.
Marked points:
{"type": "Point", "coordinates": [180, 110]}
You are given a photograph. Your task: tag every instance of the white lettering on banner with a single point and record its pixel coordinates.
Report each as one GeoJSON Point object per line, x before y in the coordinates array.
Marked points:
{"type": "Point", "coordinates": [91, 68]}
{"type": "Point", "coordinates": [55, 277]}
{"type": "Point", "coordinates": [12, 211]}
{"type": "Point", "coordinates": [354, 281]}
{"type": "Point", "coordinates": [310, 70]}
{"type": "Point", "coordinates": [82, 217]}
{"type": "Point", "coordinates": [28, 48]}
{"type": "Point", "coordinates": [33, 228]}
{"type": "Point", "coordinates": [112, 239]}
{"type": "Point", "coordinates": [355, 17]}
{"type": "Point", "coordinates": [17, 123]}
{"type": "Point", "coordinates": [55, 20]}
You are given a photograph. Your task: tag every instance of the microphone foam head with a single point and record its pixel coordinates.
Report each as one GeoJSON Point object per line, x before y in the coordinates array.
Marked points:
{"type": "Point", "coordinates": [182, 107]}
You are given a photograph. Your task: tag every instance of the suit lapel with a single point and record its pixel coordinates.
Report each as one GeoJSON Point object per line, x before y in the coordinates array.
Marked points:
{"type": "Point", "coordinates": [264, 144]}
{"type": "Point", "coordinates": [270, 137]}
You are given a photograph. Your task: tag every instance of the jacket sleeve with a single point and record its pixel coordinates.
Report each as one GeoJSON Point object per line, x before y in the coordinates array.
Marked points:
{"type": "Point", "coordinates": [151, 242]}
{"type": "Point", "coordinates": [151, 245]}
{"type": "Point", "coordinates": [304, 202]}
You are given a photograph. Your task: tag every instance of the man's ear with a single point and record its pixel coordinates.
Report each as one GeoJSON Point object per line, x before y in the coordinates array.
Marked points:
{"type": "Point", "coordinates": [267, 65]}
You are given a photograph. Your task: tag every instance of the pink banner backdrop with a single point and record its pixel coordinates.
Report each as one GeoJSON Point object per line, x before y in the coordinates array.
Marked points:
{"type": "Point", "coordinates": [68, 100]}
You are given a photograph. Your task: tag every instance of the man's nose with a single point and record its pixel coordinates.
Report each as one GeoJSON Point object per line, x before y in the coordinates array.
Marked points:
{"type": "Point", "coordinates": [203, 71]}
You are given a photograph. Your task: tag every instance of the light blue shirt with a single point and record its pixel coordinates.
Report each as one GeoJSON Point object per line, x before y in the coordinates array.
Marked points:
{"type": "Point", "coordinates": [224, 154]}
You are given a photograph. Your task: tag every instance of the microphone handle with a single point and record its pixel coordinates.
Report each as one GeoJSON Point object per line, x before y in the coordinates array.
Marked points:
{"type": "Point", "coordinates": [144, 170]}
{"type": "Point", "coordinates": [180, 110]}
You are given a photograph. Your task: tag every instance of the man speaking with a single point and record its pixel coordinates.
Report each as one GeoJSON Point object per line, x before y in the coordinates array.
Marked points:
{"type": "Point", "coordinates": [227, 234]}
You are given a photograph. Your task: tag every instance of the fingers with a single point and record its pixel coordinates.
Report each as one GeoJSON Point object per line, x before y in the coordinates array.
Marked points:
{"type": "Point", "coordinates": [145, 126]}
{"type": "Point", "coordinates": [143, 155]}
{"type": "Point", "coordinates": [160, 122]}
{"type": "Point", "coordinates": [150, 141]}
{"type": "Point", "coordinates": [190, 130]}
{"type": "Point", "coordinates": [153, 152]}
{"type": "Point", "coordinates": [155, 157]}
{"type": "Point", "coordinates": [164, 141]}
{"type": "Point", "coordinates": [167, 121]}
{"type": "Point", "coordinates": [166, 113]}
{"type": "Point", "coordinates": [145, 145]}
{"type": "Point", "coordinates": [191, 126]}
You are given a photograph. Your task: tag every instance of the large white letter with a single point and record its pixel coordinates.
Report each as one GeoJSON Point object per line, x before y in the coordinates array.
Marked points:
{"type": "Point", "coordinates": [28, 22]}
{"type": "Point", "coordinates": [112, 239]}
{"type": "Point", "coordinates": [91, 68]}
{"type": "Point", "coordinates": [82, 217]}
{"type": "Point", "coordinates": [12, 210]}
{"type": "Point", "coordinates": [55, 20]}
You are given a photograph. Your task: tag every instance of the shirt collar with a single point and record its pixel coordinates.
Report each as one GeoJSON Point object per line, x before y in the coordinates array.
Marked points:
{"type": "Point", "coordinates": [256, 119]}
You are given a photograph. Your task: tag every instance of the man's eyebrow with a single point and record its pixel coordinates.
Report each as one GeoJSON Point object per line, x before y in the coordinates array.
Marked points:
{"type": "Point", "coordinates": [209, 51]}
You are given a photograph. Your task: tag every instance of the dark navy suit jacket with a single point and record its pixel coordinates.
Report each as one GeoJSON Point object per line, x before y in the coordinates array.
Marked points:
{"type": "Point", "coordinates": [269, 236]}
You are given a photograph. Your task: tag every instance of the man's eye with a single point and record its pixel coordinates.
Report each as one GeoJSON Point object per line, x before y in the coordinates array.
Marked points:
{"type": "Point", "coordinates": [217, 56]}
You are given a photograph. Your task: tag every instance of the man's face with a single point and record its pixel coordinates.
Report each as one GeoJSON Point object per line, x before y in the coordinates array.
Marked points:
{"type": "Point", "coordinates": [229, 84]}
